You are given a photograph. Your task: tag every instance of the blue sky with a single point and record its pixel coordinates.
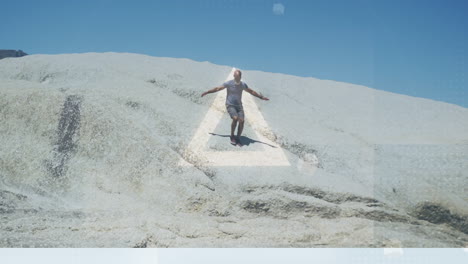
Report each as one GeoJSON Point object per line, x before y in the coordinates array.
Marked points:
{"type": "Point", "coordinates": [416, 47]}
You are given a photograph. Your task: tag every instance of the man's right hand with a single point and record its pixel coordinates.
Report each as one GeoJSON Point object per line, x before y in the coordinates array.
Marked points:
{"type": "Point", "coordinates": [203, 94]}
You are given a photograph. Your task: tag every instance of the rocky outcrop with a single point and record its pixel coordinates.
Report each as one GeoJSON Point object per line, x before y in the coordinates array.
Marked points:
{"type": "Point", "coordinates": [97, 151]}
{"type": "Point", "coordinates": [12, 53]}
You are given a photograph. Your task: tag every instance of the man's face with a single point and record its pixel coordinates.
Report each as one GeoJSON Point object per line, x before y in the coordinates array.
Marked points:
{"type": "Point", "coordinates": [237, 75]}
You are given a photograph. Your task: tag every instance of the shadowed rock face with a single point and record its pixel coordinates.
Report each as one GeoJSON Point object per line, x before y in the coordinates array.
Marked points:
{"type": "Point", "coordinates": [67, 130]}
{"type": "Point", "coordinates": [437, 214]}
{"type": "Point", "coordinates": [11, 53]}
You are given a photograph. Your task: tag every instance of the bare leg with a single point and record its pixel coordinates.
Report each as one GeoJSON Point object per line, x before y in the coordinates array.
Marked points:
{"type": "Point", "coordinates": [233, 125]}
{"type": "Point", "coordinates": [241, 127]}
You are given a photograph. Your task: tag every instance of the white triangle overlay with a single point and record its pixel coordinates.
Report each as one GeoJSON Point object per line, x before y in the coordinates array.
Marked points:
{"type": "Point", "coordinates": [268, 157]}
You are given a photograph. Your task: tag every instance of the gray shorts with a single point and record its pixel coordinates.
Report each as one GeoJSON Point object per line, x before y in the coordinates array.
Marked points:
{"type": "Point", "coordinates": [235, 110]}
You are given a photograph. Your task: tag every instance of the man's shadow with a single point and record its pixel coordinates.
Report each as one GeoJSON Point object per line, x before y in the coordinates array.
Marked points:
{"type": "Point", "coordinates": [246, 141]}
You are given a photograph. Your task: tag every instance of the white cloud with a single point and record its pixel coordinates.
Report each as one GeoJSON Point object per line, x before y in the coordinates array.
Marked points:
{"type": "Point", "coordinates": [278, 9]}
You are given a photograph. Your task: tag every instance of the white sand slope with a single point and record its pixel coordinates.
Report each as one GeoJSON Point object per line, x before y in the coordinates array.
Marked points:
{"type": "Point", "coordinates": [120, 150]}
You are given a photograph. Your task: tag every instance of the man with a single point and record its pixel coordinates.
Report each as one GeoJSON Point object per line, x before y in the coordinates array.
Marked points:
{"type": "Point", "coordinates": [234, 103]}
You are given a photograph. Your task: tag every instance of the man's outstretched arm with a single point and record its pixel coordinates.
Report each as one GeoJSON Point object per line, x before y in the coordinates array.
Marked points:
{"type": "Point", "coordinates": [214, 90]}
{"type": "Point", "coordinates": [254, 93]}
